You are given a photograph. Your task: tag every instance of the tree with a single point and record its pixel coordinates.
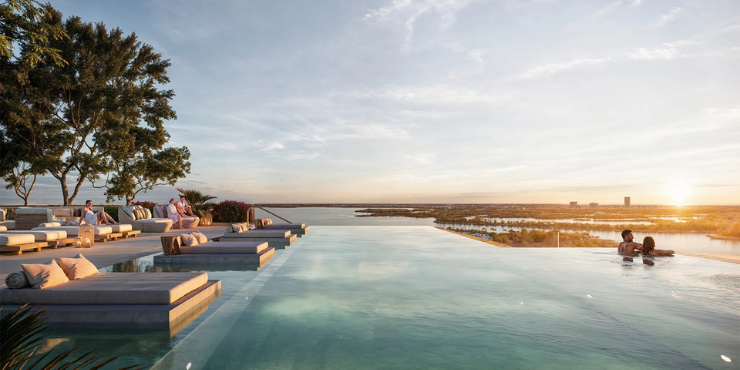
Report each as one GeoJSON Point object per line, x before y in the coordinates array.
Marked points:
{"type": "Point", "coordinates": [28, 25]}
{"type": "Point", "coordinates": [74, 117]}
{"type": "Point", "coordinates": [144, 171]}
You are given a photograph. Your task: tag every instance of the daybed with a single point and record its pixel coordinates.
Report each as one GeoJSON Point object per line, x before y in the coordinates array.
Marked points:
{"type": "Point", "coordinates": [55, 238]}
{"type": "Point", "coordinates": [192, 222]}
{"type": "Point", "coordinates": [107, 297]}
{"type": "Point", "coordinates": [140, 218]}
{"type": "Point", "coordinates": [102, 233]}
{"type": "Point", "coordinates": [125, 230]}
{"type": "Point", "coordinates": [274, 238]}
{"type": "Point", "coordinates": [17, 243]}
{"type": "Point", "coordinates": [298, 229]}
{"type": "Point", "coordinates": [209, 252]}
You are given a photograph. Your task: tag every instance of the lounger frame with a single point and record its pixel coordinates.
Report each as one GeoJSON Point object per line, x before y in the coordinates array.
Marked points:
{"type": "Point", "coordinates": [18, 249]}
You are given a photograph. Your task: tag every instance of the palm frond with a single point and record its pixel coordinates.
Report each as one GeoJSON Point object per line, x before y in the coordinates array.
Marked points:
{"type": "Point", "coordinates": [22, 331]}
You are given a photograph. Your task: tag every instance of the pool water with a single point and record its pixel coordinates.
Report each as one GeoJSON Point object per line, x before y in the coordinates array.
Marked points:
{"type": "Point", "coordinates": [415, 297]}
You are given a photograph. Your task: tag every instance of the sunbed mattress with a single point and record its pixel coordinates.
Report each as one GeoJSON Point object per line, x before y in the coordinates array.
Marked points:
{"type": "Point", "coordinates": [120, 228]}
{"type": "Point", "coordinates": [259, 234]}
{"type": "Point", "coordinates": [225, 248]}
{"type": "Point", "coordinates": [285, 226]}
{"type": "Point", "coordinates": [155, 220]}
{"type": "Point", "coordinates": [112, 288]}
{"type": "Point", "coordinates": [40, 235]}
{"type": "Point", "coordinates": [7, 240]}
{"type": "Point", "coordinates": [75, 230]}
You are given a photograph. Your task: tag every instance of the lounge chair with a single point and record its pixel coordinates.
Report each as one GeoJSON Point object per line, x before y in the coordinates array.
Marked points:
{"type": "Point", "coordinates": [132, 298]}
{"type": "Point", "coordinates": [17, 243]}
{"type": "Point", "coordinates": [274, 238]}
{"type": "Point", "coordinates": [297, 229]}
{"type": "Point", "coordinates": [191, 222]}
{"type": "Point", "coordinates": [125, 230]}
{"type": "Point", "coordinates": [102, 233]}
{"type": "Point", "coordinates": [212, 252]}
{"type": "Point", "coordinates": [140, 218]}
{"type": "Point", "coordinates": [55, 238]}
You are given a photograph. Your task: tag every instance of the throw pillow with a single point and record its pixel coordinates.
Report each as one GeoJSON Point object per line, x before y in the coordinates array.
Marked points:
{"type": "Point", "coordinates": [266, 222]}
{"type": "Point", "coordinates": [147, 213]}
{"type": "Point", "coordinates": [200, 237]}
{"type": "Point", "coordinates": [77, 267]}
{"type": "Point", "coordinates": [46, 275]}
{"type": "Point", "coordinates": [188, 240]}
{"type": "Point", "coordinates": [235, 228]}
{"type": "Point", "coordinates": [74, 223]}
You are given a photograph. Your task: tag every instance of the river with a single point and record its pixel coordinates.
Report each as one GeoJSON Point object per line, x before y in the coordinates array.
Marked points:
{"type": "Point", "coordinates": [327, 216]}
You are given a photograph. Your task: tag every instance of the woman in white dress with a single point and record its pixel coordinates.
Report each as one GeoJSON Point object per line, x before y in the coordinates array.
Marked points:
{"type": "Point", "coordinates": [91, 218]}
{"type": "Point", "coordinates": [173, 215]}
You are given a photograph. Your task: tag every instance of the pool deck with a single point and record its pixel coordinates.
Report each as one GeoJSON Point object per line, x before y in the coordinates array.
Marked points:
{"type": "Point", "coordinates": [102, 254]}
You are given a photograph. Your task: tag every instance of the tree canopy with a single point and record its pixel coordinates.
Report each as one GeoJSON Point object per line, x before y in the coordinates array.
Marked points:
{"type": "Point", "coordinates": [100, 113]}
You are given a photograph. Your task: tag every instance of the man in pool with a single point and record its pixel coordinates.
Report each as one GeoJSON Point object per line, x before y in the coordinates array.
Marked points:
{"type": "Point", "coordinates": [627, 246]}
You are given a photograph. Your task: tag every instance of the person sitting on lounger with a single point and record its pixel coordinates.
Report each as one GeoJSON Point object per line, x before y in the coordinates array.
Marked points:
{"type": "Point", "coordinates": [648, 248]}
{"type": "Point", "coordinates": [174, 215]}
{"type": "Point", "coordinates": [627, 246]}
{"type": "Point", "coordinates": [92, 218]}
{"type": "Point", "coordinates": [184, 208]}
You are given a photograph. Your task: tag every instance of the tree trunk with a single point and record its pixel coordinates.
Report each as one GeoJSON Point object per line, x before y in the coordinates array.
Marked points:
{"type": "Point", "coordinates": [77, 190]}
{"type": "Point", "coordinates": [65, 191]}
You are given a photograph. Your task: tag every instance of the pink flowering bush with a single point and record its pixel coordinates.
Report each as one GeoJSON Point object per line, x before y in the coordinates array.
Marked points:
{"type": "Point", "coordinates": [231, 211]}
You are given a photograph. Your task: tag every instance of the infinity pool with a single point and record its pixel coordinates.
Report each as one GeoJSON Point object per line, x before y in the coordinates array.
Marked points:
{"type": "Point", "coordinates": [415, 297]}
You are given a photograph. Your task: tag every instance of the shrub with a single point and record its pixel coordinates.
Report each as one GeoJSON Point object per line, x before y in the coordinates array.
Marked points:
{"type": "Point", "coordinates": [112, 211]}
{"type": "Point", "coordinates": [231, 211]}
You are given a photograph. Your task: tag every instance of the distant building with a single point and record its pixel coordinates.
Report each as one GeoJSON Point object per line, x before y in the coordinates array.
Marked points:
{"type": "Point", "coordinates": [573, 204]}
{"type": "Point", "coordinates": [626, 202]}
{"type": "Point", "coordinates": [593, 205]}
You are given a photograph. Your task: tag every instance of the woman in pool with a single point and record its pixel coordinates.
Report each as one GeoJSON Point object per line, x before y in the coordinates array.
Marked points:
{"type": "Point", "coordinates": [91, 218]}
{"type": "Point", "coordinates": [648, 248]}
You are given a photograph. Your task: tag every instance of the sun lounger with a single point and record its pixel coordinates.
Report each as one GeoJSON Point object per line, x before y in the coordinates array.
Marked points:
{"type": "Point", "coordinates": [102, 232]}
{"type": "Point", "coordinates": [188, 222]}
{"type": "Point", "coordinates": [249, 252]}
{"type": "Point", "coordinates": [118, 297]}
{"type": "Point", "coordinates": [275, 238]}
{"type": "Point", "coordinates": [141, 219]}
{"type": "Point", "coordinates": [297, 229]}
{"type": "Point", "coordinates": [17, 243]}
{"type": "Point", "coordinates": [55, 238]}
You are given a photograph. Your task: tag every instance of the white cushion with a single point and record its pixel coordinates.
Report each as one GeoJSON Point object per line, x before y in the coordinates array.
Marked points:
{"type": "Point", "coordinates": [16, 239]}
{"type": "Point", "coordinates": [77, 267]}
{"type": "Point", "coordinates": [45, 275]}
{"type": "Point", "coordinates": [40, 235]}
{"type": "Point", "coordinates": [188, 240]}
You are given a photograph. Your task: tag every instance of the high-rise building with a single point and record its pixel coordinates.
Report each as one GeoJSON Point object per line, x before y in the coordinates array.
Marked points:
{"type": "Point", "coordinates": [573, 204]}
{"type": "Point", "coordinates": [593, 205]}
{"type": "Point", "coordinates": [626, 202]}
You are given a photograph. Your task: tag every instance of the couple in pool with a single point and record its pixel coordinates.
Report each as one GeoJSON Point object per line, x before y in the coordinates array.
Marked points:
{"type": "Point", "coordinates": [629, 248]}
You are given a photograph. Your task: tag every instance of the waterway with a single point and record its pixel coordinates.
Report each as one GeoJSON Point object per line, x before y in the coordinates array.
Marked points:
{"type": "Point", "coordinates": [326, 216]}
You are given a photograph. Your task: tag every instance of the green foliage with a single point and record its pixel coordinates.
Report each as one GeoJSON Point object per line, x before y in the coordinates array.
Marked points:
{"type": "Point", "coordinates": [22, 331]}
{"type": "Point", "coordinates": [539, 238]}
{"type": "Point", "coordinates": [101, 113]}
{"type": "Point", "coordinates": [231, 211]}
{"type": "Point", "coordinates": [28, 25]}
{"type": "Point", "coordinates": [142, 169]}
{"type": "Point", "coordinates": [198, 201]}
{"type": "Point", "coordinates": [112, 211]}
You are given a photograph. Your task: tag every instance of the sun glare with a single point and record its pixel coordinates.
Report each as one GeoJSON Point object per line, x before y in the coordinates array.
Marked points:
{"type": "Point", "coordinates": [679, 193]}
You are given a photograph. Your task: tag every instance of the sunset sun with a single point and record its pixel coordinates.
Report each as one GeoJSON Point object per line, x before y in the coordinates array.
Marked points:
{"type": "Point", "coordinates": [679, 193]}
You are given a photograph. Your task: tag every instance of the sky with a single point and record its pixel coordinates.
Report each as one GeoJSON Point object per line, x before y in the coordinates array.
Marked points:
{"type": "Point", "coordinates": [444, 101]}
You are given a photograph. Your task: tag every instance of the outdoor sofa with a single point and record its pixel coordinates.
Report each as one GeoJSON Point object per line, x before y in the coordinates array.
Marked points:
{"type": "Point", "coordinates": [140, 218]}
{"type": "Point", "coordinates": [188, 222]}
{"type": "Point", "coordinates": [74, 292]}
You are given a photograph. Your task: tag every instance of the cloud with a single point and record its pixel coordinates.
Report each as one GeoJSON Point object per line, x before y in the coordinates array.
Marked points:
{"type": "Point", "coordinates": [552, 68]}
{"type": "Point", "coordinates": [646, 54]}
{"type": "Point", "coordinates": [608, 9]}
{"type": "Point", "coordinates": [274, 146]}
{"type": "Point", "coordinates": [410, 11]}
{"type": "Point", "coordinates": [665, 18]}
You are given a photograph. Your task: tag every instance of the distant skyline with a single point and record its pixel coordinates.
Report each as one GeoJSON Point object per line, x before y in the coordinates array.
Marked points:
{"type": "Point", "coordinates": [444, 101]}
